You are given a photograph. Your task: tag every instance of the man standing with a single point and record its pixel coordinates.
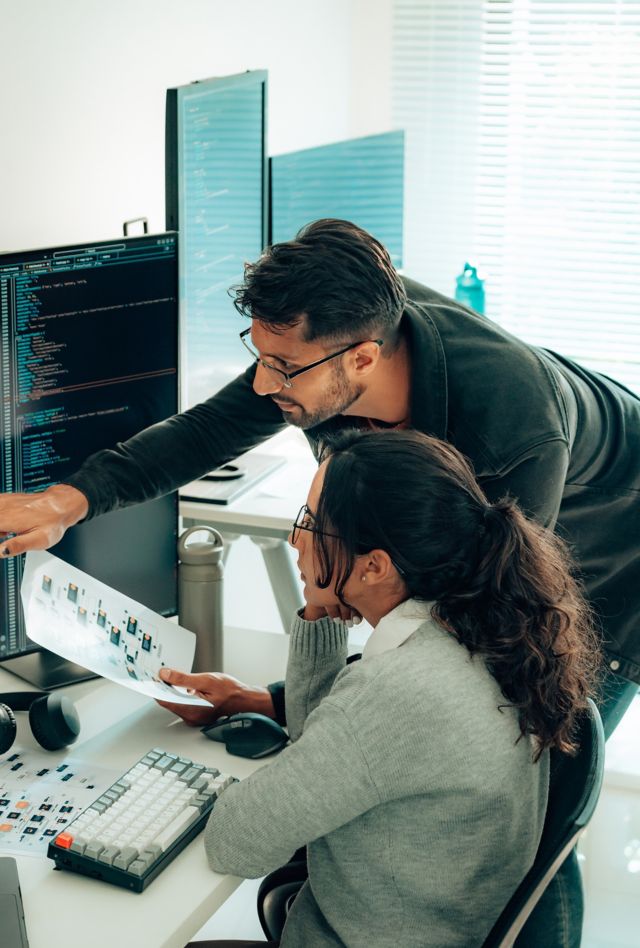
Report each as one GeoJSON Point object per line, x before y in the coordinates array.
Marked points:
{"type": "Point", "coordinates": [339, 339]}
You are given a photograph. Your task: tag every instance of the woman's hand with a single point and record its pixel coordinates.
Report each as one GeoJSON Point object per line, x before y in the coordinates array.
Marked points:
{"type": "Point", "coordinates": [336, 610]}
{"type": "Point", "coordinates": [226, 694]}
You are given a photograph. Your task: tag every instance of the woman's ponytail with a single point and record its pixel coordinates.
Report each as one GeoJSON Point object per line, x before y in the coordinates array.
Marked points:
{"type": "Point", "coordinates": [522, 610]}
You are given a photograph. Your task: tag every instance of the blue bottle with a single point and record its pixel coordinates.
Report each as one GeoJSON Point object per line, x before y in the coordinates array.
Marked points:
{"type": "Point", "coordinates": [470, 288]}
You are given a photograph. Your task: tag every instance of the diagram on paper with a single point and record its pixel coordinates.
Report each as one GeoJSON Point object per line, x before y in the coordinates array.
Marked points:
{"type": "Point", "coordinates": [87, 622]}
{"type": "Point", "coordinates": [39, 796]}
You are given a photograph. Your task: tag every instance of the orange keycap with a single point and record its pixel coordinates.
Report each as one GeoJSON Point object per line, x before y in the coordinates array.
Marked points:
{"type": "Point", "coordinates": [22, 805]}
{"type": "Point", "coordinates": [5, 827]}
{"type": "Point", "coordinates": [64, 840]}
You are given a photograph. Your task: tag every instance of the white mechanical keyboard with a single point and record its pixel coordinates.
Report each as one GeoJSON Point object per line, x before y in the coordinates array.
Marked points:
{"type": "Point", "coordinates": [135, 829]}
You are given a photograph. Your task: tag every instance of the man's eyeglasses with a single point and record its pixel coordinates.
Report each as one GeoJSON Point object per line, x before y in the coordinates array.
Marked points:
{"type": "Point", "coordinates": [286, 378]}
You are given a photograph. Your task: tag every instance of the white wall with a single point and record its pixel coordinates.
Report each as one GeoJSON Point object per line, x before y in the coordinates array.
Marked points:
{"type": "Point", "coordinates": [82, 98]}
{"type": "Point", "coordinates": [370, 67]}
{"type": "Point", "coordinates": [82, 94]}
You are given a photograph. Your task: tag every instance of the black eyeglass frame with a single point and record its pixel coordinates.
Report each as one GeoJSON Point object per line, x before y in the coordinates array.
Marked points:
{"type": "Point", "coordinates": [287, 377]}
{"type": "Point", "coordinates": [297, 527]}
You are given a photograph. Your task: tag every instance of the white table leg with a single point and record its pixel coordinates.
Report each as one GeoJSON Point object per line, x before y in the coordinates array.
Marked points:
{"type": "Point", "coordinates": [283, 578]}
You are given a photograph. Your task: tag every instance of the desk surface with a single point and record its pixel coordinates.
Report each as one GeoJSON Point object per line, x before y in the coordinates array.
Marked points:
{"type": "Point", "coordinates": [268, 509]}
{"type": "Point", "coordinates": [118, 726]}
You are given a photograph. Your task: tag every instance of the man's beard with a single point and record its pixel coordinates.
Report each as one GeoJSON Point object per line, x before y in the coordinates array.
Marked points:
{"type": "Point", "coordinates": [338, 396]}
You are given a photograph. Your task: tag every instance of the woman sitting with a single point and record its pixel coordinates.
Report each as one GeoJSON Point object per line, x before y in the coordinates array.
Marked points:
{"type": "Point", "coordinates": [417, 778]}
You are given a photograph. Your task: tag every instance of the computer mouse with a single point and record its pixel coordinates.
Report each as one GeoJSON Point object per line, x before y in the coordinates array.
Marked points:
{"type": "Point", "coordinates": [248, 734]}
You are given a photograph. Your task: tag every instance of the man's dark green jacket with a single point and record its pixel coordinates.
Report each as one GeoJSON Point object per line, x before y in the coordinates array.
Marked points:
{"type": "Point", "coordinates": [562, 440]}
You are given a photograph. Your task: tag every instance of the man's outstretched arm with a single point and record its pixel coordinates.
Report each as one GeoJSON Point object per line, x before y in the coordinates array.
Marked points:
{"type": "Point", "coordinates": [154, 462]}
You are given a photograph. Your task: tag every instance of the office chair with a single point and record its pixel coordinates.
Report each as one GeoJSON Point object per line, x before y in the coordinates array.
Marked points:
{"type": "Point", "coordinates": [276, 893]}
{"type": "Point", "coordinates": [574, 789]}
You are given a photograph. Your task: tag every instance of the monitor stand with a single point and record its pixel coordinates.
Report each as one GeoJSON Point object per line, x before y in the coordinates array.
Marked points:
{"type": "Point", "coordinates": [46, 670]}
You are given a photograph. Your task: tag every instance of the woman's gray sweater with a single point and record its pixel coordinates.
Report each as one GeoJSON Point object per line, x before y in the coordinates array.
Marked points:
{"type": "Point", "coordinates": [421, 809]}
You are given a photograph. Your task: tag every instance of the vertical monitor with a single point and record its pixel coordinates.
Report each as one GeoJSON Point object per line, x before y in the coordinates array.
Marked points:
{"type": "Point", "coordinates": [216, 198]}
{"type": "Point", "coordinates": [88, 357]}
{"type": "Point", "coordinates": [359, 180]}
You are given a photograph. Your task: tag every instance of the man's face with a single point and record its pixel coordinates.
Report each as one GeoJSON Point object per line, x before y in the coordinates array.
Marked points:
{"type": "Point", "coordinates": [321, 393]}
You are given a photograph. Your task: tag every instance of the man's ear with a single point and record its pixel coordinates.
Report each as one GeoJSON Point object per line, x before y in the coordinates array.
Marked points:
{"type": "Point", "coordinates": [365, 357]}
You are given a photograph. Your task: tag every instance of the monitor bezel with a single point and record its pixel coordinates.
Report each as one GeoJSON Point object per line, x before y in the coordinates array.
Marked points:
{"type": "Point", "coordinates": [38, 665]}
{"type": "Point", "coordinates": [172, 131]}
{"type": "Point", "coordinates": [355, 140]}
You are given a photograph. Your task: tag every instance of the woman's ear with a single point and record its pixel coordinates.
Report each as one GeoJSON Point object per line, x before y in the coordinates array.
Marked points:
{"type": "Point", "coordinates": [375, 568]}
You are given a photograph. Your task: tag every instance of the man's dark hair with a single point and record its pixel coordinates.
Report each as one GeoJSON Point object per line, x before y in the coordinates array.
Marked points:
{"type": "Point", "coordinates": [336, 274]}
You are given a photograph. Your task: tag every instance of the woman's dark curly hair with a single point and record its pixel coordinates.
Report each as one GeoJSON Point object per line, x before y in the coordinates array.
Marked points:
{"type": "Point", "coordinates": [500, 583]}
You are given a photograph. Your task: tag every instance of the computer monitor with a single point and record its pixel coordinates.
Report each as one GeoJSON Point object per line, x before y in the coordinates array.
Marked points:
{"type": "Point", "coordinates": [89, 357]}
{"type": "Point", "coordinates": [216, 198]}
{"type": "Point", "coordinates": [359, 180]}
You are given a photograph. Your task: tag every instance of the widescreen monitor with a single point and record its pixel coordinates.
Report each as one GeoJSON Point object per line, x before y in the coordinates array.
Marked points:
{"type": "Point", "coordinates": [216, 198]}
{"type": "Point", "coordinates": [359, 180]}
{"type": "Point", "coordinates": [89, 357]}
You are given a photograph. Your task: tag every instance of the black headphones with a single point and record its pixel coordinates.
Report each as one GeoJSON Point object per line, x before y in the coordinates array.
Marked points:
{"type": "Point", "coordinates": [53, 718]}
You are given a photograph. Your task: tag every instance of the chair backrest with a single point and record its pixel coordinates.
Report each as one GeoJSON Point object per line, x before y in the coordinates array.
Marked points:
{"type": "Point", "coordinates": [276, 892]}
{"type": "Point", "coordinates": [574, 788]}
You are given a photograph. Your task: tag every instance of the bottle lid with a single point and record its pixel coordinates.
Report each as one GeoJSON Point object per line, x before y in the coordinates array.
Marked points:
{"type": "Point", "coordinates": [203, 550]}
{"type": "Point", "coordinates": [469, 277]}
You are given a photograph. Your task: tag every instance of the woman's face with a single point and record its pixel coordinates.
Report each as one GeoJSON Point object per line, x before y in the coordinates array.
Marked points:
{"type": "Point", "coordinates": [304, 546]}
{"type": "Point", "coordinates": [372, 599]}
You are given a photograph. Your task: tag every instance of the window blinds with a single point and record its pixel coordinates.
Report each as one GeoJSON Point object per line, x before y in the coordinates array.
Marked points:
{"type": "Point", "coordinates": [523, 142]}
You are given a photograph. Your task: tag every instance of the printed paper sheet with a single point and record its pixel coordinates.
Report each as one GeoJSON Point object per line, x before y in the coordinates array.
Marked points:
{"type": "Point", "coordinates": [87, 622]}
{"type": "Point", "coordinates": [39, 795]}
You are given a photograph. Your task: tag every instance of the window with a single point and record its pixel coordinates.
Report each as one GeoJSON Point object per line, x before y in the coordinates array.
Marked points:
{"type": "Point", "coordinates": [523, 153]}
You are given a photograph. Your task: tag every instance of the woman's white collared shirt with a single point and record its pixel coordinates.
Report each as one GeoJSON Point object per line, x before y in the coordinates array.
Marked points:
{"type": "Point", "coordinates": [396, 627]}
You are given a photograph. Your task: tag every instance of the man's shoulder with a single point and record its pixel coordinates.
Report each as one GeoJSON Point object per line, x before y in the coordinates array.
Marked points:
{"type": "Point", "coordinates": [456, 323]}
{"type": "Point", "coordinates": [502, 394]}
{"type": "Point", "coordinates": [421, 294]}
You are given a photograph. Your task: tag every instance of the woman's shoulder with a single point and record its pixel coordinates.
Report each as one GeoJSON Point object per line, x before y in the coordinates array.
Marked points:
{"type": "Point", "coordinates": [427, 652]}
{"type": "Point", "coordinates": [430, 658]}
{"type": "Point", "coordinates": [430, 679]}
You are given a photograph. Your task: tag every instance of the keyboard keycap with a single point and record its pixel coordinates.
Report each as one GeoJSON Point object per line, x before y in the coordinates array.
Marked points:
{"type": "Point", "coordinates": [93, 848]}
{"type": "Point", "coordinates": [108, 855]}
{"type": "Point", "coordinates": [164, 763]}
{"type": "Point", "coordinates": [126, 857]}
{"type": "Point", "coordinates": [64, 840]}
{"type": "Point", "coordinates": [175, 828]}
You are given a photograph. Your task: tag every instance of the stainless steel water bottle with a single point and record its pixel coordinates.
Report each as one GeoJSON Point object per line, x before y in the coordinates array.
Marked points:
{"type": "Point", "coordinates": [200, 592]}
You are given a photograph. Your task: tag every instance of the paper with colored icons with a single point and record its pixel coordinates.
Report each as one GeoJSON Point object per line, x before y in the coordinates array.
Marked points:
{"type": "Point", "coordinates": [87, 622]}
{"type": "Point", "coordinates": [40, 793]}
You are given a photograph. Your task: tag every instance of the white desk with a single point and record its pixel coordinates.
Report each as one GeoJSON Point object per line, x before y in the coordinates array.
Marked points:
{"type": "Point", "coordinates": [266, 514]}
{"type": "Point", "coordinates": [118, 726]}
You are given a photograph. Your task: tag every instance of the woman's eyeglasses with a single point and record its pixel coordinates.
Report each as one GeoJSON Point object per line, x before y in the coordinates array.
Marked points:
{"type": "Point", "coordinates": [305, 521]}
